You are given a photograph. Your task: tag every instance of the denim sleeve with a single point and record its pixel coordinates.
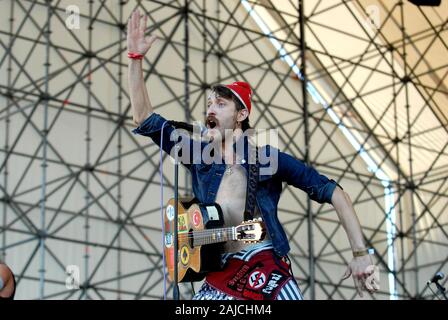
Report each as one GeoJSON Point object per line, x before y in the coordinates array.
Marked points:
{"type": "Point", "coordinates": [152, 128]}
{"type": "Point", "coordinates": [294, 172]}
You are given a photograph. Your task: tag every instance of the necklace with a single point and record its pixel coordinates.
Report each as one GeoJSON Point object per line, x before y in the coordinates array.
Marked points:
{"type": "Point", "coordinates": [229, 169]}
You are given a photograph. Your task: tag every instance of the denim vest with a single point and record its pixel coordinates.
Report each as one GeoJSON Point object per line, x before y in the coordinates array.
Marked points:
{"type": "Point", "coordinates": [206, 177]}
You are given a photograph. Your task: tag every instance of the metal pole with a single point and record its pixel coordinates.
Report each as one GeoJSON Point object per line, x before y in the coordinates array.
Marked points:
{"type": "Point", "coordinates": [311, 264]}
{"type": "Point", "coordinates": [88, 166]}
{"type": "Point", "coordinates": [45, 98]}
{"type": "Point", "coordinates": [7, 120]}
{"type": "Point", "coordinates": [399, 173]}
{"type": "Point", "coordinates": [175, 225]}
{"type": "Point", "coordinates": [410, 183]}
{"type": "Point", "coordinates": [119, 147]}
{"type": "Point", "coordinates": [219, 64]}
{"type": "Point", "coordinates": [205, 56]}
{"type": "Point", "coordinates": [187, 75]}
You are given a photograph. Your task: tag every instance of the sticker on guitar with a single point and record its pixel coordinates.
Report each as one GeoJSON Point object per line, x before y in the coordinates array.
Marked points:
{"type": "Point", "coordinates": [184, 255]}
{"type": "Point", "coordinates": [168, 240]}
{"type": "Point", "coordinates": [170, 213]}
{"type": "Point", "coordinates": [182, 223]}
{"type": "Point", "coordinates": [196, 218]}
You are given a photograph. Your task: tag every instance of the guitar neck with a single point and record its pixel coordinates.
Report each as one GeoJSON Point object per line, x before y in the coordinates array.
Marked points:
{"type": "Point", "coordinates": [211, 236]}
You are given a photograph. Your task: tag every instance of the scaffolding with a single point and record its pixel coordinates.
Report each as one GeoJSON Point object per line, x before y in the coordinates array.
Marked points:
{"type": "Point", "coordinates": [91, 192]}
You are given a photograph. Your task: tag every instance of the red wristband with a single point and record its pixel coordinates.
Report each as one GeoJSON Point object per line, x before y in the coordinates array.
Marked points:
{"type": "Point", "coordinates": [136, 56]}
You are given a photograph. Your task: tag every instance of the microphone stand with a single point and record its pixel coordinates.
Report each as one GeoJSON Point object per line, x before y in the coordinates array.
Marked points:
{"type": "Point", "coordinates": [176, 214]}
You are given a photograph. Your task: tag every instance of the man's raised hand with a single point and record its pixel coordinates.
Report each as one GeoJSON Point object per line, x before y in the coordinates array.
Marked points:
{"type": "Point", "coordinates": [137, 41]}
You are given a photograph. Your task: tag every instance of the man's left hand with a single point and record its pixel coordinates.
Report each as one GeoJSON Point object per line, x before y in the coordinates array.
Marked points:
{"type": "Point", "coordinates": [365, 274]}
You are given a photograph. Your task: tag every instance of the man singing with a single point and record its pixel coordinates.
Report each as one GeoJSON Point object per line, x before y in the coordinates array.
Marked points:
{"type": "Point", "coordinates": [261, 271]}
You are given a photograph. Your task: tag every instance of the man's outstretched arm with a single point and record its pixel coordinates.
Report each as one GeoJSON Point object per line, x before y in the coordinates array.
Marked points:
{"type": "Point", "coordinates": [323, 190]}
{"type": "Point", "coordinates": [140, 44]}
{"type": "Point", "coordinates": [361, 267]}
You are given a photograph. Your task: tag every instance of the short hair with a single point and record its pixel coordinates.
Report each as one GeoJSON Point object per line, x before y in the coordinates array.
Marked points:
{"type": "Point", "coordinates": [222, 91]}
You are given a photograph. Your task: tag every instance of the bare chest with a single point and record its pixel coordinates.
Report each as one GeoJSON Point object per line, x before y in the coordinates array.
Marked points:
{"type": "Point", "coordinates": [231, 195]}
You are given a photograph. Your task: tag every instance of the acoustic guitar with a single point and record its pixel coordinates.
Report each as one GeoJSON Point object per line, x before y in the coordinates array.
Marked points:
{"type": "Point", "coordinates": [201, 236]}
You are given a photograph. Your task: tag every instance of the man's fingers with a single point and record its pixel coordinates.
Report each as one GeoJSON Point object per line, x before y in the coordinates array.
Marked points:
{"type": "Point", "coordinates": [137, 19]}
{"type": "Point", "coordinates": [131, 19]}
{"type": "Point", "coordinates": [374, 282]}
{"type": "Point", "coordinates": [368, 285]}
{"type": "Point", "coordinates": [363, 280]}
{"type": "Point", "coordinates": [347, 273]}
{"type": "Point", "coordinates": [145, 21]}
{"type": "Point", "coordinates": [372, 278]}
{"type": "Point", "coordinates": [358, 286]}
{"type": "Point", "coordinates": [134, 19]}
{"type": "Point", "coordinates": [371, 285]}
{"type": "Point", "coordinates": [131, 22]}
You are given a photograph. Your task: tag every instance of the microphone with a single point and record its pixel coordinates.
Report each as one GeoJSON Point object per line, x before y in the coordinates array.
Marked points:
{"type": "Point", "coordinates": [438, 276]}
{"type": "Point", "coordinates": [189, 127]}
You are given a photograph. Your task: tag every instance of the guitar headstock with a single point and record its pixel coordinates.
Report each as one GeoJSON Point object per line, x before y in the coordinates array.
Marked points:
{"type": "Point", "coordinates": [251, 231]}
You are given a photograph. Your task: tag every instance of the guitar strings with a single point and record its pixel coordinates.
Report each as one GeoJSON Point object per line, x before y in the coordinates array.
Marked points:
{"type": "Point", "coordinates": [199, 236]}
{"type": "Point", "coordinates": [206, 232]}
{"type": "Point", "coordinates": [202, 235]}
{"type": "Point", "coordinates": [183, 236]}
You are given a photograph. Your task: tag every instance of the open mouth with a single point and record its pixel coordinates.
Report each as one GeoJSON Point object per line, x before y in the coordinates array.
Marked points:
{"type": "Point", "coordinates": [211, 123]}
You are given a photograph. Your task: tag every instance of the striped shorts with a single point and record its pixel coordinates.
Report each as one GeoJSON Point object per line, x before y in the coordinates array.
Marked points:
{"type": "Point", "coordinates": [289, 291]}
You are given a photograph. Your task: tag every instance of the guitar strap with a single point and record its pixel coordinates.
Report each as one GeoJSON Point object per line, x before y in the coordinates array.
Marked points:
{"type": "Point", "coordinates": [252, 182]}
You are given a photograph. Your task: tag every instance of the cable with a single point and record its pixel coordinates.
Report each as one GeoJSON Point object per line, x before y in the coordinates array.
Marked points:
{"type": "Point", "coordinates": [161, 210]}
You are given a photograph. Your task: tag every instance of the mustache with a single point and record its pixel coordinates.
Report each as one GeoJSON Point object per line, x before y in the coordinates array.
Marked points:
{"type": "Point", "coordinates": [211, 118]}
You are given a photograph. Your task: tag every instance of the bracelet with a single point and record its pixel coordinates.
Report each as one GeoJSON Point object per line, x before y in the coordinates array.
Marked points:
{"type": "Point", "coordinates": [362, 252]}
{"type": "Point", "coordinates": [135, 56]}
